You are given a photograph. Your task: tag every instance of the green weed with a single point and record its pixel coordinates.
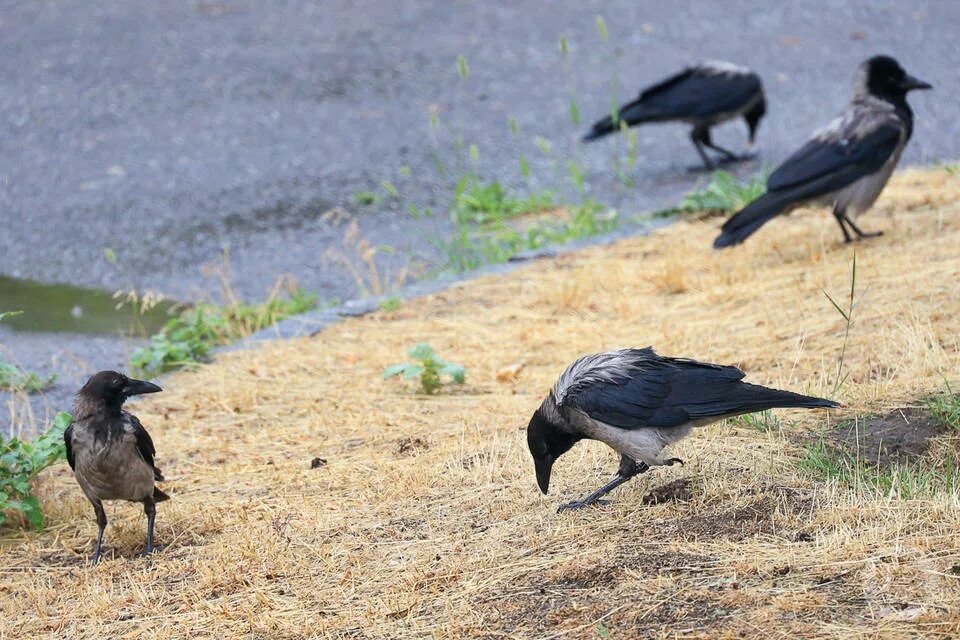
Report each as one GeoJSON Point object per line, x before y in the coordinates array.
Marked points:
{"type": "Point", "coordinates": [723, 194]}
{"type": "Point", "coordinates": [429, 367]}
{"type": "Point", "coordinates": [188, 338]}
{"type": "Point", "coordinates": [21, 461]}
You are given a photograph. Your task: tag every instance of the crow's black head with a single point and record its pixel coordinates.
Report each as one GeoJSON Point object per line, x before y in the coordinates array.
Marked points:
{"type": "Point", "coordinates": [547, 443]}
{"type": "Point", "coordinates": [114, 388]}
{"type": "Point", "coordinates": [885, 78]}
{"type": "Point", "coordinates": [754, 115]}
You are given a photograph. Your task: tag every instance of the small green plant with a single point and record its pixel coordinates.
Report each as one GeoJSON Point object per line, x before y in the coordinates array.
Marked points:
{"type": "Point", "coordinates": [390, 304]}
{"type": "Point", "coordinates": [848, 320]}
{"type": "Point", "coordinates": [945, 407]}
{"type": "Point", "coordinates": [188, 338]}
{"type": "Point", "coordinates": [723, 194]}
{"type": "Point", "coordinates": [429, 367]}
{"type": "Point", "coordinates": [13, 378]}
{"type": "Point", "coordinates": [9, 314]}
{"type": "Point", "coordinates": [365, 198]}
{"type": "Point", "coordinates": [20, 462]}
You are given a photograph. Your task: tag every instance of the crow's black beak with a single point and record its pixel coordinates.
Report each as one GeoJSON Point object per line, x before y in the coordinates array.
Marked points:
{"type": "Point", "coordinates": [139, 388]}
{"type": "Point", "coordinates": [910, 83]}
{"type": "Point", "coordinates": [543, 466]}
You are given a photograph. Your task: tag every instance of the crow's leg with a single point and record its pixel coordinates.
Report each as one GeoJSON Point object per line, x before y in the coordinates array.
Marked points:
{"type": "Point", "coordinates": [841, 218]}
{"type": "Point", "coordinates": [697, 137]}
{"type": "Point", "coordinates": [101, 525]}
{"type": "Point", "coordinates": [729, 156]}
{"type": "Point", "coordinates": [628, 468]}
{"type": "Point", "coordinates": [149, 508]}
{"type": "Point", "coordinates": [860, 233]}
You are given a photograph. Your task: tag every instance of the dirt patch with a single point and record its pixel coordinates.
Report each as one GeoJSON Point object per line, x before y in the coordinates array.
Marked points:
{"type": "Point", "coordinates": [676, 491]}
{"type": "Point", "coordinates": [411, 446]}
{"type": "Point", "coordinates": [898, 437]}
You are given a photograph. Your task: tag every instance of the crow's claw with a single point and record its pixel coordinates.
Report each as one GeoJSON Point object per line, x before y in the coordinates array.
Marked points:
{"type": "Point", "coordinates": [580, 504]}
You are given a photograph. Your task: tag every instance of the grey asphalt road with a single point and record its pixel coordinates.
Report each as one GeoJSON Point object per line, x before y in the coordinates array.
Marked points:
{"type": "Point", "coordinates": [168, 131]}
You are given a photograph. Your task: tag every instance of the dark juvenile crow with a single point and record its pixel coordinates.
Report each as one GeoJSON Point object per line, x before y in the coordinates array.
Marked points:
{"type": "Point", "coordinates": [110, 452]}
{"type": "Point", "coordinates": [846, 164]}
{"type": "Point", "coordinates": [703, 95]}
{"type": "Point", "coordinates": [639, 402]}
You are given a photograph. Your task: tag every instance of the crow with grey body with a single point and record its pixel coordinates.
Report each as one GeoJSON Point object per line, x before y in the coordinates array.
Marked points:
{"type": "Point", "coordinates": [110, 452]}
{"type": "Point", "coordinates": [846, 164]}
{"type": "Point", "coordinates": [638, 402]}
{"type": "Point", "coordinates": [703, 95]}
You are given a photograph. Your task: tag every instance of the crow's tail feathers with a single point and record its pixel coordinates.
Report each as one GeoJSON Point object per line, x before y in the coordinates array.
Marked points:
{"type": "Point", "coordinates": [765, 398]}
{"type": "Point", "coordinates": [753, 216]}
{"type": "Point", "coordinates": [632, 114]}
{"type": "Point", "coordinates": [600, 129]}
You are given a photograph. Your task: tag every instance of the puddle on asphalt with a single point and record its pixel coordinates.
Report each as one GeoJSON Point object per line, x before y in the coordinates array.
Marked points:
{"type": "Point", "coordinates": [52, 308]}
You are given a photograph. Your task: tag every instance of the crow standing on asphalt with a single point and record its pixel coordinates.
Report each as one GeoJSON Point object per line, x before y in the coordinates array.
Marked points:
{"type": "Point", "coordinates": [846, 164]}
{"type": "Point", "coordinates": [703, 95]}
{"type": "Point", "coordinates": [638, 403]}
{"type": "Point", "coordinates": [110, 452]}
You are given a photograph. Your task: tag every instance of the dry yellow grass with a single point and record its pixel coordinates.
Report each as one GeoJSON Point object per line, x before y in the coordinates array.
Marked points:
{"type": "Point", "coordinates": [426, 520]}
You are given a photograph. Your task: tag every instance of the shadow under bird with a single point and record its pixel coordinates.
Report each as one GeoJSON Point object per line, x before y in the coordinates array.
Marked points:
{"type": "Point", "coordinates": [110, 452]}
{"type": "Point", "coordinates": [703, 95]}
{"type": "Point", "coordinates": [846, 164]}
{"type": "Point", "coordinates": [638, 402]}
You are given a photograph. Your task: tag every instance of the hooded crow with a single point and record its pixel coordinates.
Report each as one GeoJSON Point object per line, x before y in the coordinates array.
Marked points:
{"type": "Point", "coordinates": [110, 452]}
{"type": "Point", "coordinates": [703, 95]}
{"type": "Point", "coordinates": [638, 402]}
{"type": "Point", "coordinates": [846, 164]}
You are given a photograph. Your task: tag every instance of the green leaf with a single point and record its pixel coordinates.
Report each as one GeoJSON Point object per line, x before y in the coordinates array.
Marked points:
{"type": "Point", "coordinates": [462, 67]}
{"type": "Point", "coordinates": [109, 255]}
{"type": "Point", "coordinates": [394, 369]}
{"type": "Point", "coordinates": [62, 420]}
{"type": "Point", "coordinates": [456, 371]}
{"type": "Point", "coordinates": [422, 351]}
{"type": "Point", "coordinates": [412, 371]}
{"type": "Point", "coordinates": [602, 28]}
{"type": "Point", "coordinates": [574, 112]}
{"type": "Point", "coordinates": [9, 314]}
{"type": "Point", "coordinates": [33, 512]}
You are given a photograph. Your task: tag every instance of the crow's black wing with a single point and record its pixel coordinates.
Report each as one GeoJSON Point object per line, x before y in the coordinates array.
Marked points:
{"type": "Point", "coordinates": [699, 93]}
{"type": "Point", "coordinates": [68, 442]}
{"type": "Point", "coordinates": [658, 392]}
{"type": "Point", "coordinates": [834, 160]}
{"type": "Point", "coordinates": [144, 443]}
{"type": "Point", "coordinates": [670, 392]}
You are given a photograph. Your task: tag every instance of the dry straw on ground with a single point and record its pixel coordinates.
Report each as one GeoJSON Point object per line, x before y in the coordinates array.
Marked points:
{"type": "Point", "coordinates": [426, 521]}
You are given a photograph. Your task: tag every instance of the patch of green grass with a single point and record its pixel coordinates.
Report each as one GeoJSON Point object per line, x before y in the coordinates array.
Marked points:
{"type": "Point", "coordinates": [188, 338]}
{"type": "Point", "coordinates": [476, 203]}
{"type": "Point", "coordinates": [390, 304]}
{"type": "Point", "coordinates": [922, 479]}
{"type": "Point", "coordinates": [486, 231]}
{"type": "Point", "coordinates": [21, 461]}
{"type": "Point", "coordinates": [765, 421]}
{"type": "Point", "coordinates": [428, 367]}
{"type": "Point", "coordinates": [723, 194]}
{"type": "Point", "coordinates": [13, 378]}
{"type": "Point", "coordinates": [946, 408]}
